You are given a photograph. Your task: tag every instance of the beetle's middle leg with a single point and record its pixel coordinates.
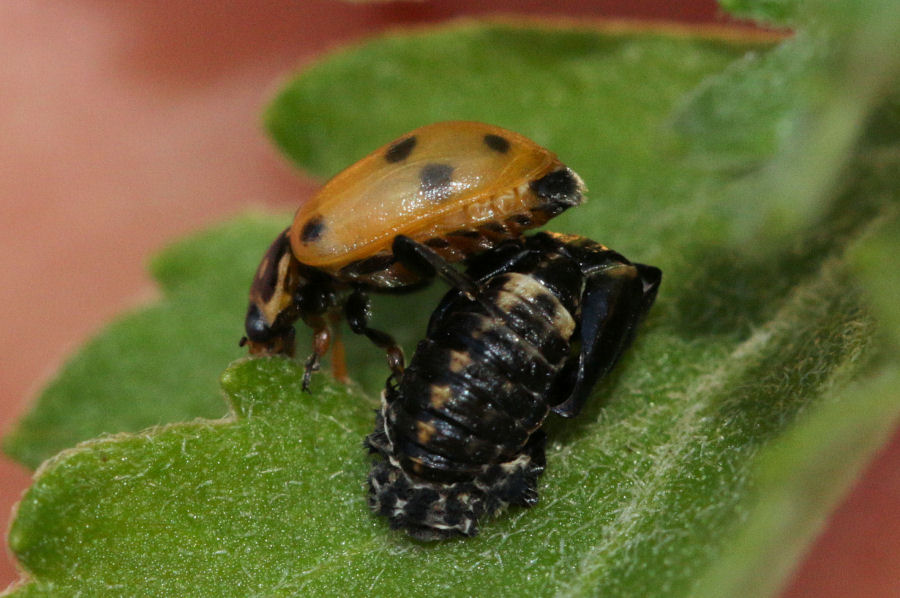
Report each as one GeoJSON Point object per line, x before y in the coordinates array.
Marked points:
{"type": "Point", "coordinates": [358, 310]}
{"type": "Point", "coordinates": [427, 263]}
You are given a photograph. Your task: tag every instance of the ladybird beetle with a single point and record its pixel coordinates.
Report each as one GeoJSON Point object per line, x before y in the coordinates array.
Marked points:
{"type": "Point", "coordinates": [528, 329]}
{"type": "Point", "coordinates": [457, 187]}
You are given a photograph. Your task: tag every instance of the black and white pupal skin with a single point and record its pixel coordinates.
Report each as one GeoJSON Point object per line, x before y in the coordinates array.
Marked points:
{"type": "Point", "coordinates": [528, 329]}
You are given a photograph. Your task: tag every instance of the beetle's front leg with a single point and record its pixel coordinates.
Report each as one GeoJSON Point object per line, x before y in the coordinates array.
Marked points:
{"type": "Point", "coordinates": [321, 343]}
{"type": "Point", "coordinates": [269, 324]}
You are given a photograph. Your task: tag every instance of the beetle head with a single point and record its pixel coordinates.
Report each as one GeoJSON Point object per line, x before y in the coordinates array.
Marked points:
{"type": "Point", "coordinates": [283, 291]}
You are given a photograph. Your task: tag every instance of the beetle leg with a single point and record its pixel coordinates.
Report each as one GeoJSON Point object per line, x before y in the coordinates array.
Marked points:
{"type": "Point", "coordinates": [321, 342]}
{"type": "Point", "coordinates": [358, 311]}
{"type": "Point", "coordinates": [338, 353]}
{"type": "Point", "coordinates": [311, 365]}
{"type": "Point", "coordinates": [615, 299]}
{"type": "Point", "coordinates": [425, 262]}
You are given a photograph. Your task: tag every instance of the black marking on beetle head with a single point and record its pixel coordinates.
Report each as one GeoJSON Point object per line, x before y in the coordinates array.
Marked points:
{"type": "Point", "coordinates": [560, 187]}
{"type": "Point", "coordinates": [313, 229]}
{"type": "Point", "coordinates": [266, 280]}
{"type": "Point", "coordinates": [435, 181]}
{"type": "Point", "coordinates": [400, 150]}
{"type": "Point", "coordinates": [256, 326]}
{"type": "Point", "coordinates": [496, 143]}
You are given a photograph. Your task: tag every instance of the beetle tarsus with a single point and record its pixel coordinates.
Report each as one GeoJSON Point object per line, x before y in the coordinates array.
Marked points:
{"type": "Point", "coordinates": [312, 365]}
{"type": "Point", "coordinates": [395, 360]}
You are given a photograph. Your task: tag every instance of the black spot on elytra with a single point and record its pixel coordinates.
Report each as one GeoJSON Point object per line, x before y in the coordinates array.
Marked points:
{"type": "Point", "coordinates": [400, 150]}
{"type": "Point", "coordinates": [435, 181]}
{"type": "Point", "coordinates": [437, 242]}
{"type": "Point", "coordinates": [313, 229]}
{"type": "Point", "coordinates": [496, 143]}
{"type": "Point", "coordinates": [560, 186]}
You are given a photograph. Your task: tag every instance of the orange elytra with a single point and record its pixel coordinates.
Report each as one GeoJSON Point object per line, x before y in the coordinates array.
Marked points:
{"type": "Point", "coordinates": [457, 187]}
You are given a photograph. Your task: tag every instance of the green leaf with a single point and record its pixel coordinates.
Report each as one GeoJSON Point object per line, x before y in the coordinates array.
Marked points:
{"type": "Point", "coordinates": [159, 364]}
{"type": "Point", "coordinates": [329, 117]}
{"type": "Point", "coordinates": [727, 420]}
{"type": "Point", "coordinates": [273, 501]}
{"type": "Point", "coordinates": [799, 477]}
{"type": "Point", "coordinates": [807, 101]}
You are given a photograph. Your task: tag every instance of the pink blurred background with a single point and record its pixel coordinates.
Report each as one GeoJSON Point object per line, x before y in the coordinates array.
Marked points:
{"type": "Point", "coordinates": [124, 125]}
